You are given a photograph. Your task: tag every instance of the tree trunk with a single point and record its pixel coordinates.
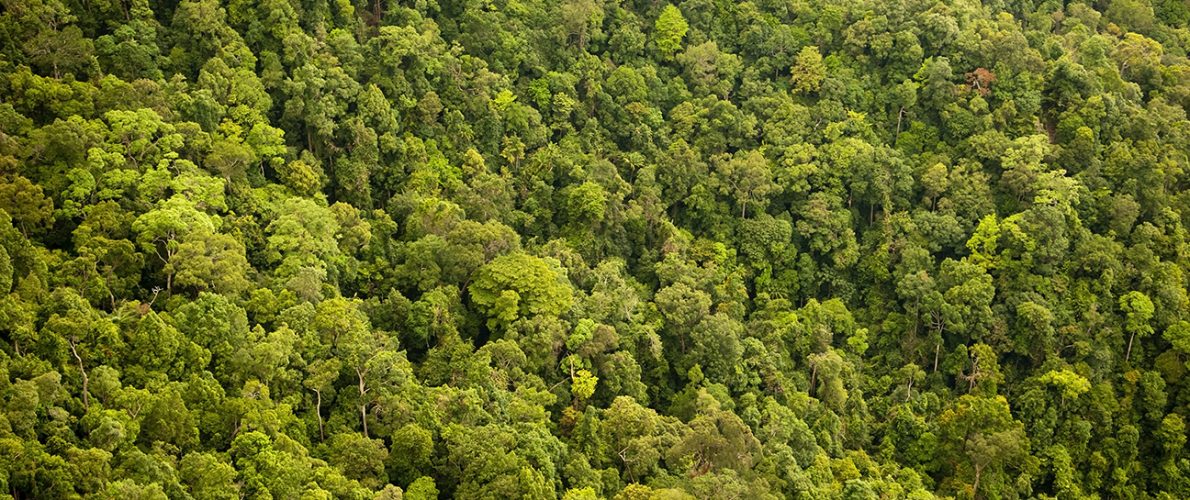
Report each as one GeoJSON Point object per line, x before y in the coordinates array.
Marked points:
{"type": "Point", "coordinates": [318, 411]}
{"type": "Point", "coordinates": [975, 487]}
{"type": "Point", "coordinates": [974, 374]}
{"type": "Point", "coordinates": [1128, 354]}
{"type": "Point", "coordinates": [83, 370]}
{"type": "Point", "coordinates": [377, 12]}
{"type": "Point", "coordinates": [813, 377]}
{"type": "Point", "coordinates": [900, 115]}
{"type": "Point", "coordinates": [363, 405]}
{"type": "Point", "coordinates": [624, 467]}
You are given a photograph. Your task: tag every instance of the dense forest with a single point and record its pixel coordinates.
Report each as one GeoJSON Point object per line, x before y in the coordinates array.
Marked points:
{"type": "Point", "coordinates": [581, 249]}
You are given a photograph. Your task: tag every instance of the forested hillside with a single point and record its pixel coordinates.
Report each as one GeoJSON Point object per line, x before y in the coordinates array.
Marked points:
{"type": "Point", "coordinates": [580, 249]}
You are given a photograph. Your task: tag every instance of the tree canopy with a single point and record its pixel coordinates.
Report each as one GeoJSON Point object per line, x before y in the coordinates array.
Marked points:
{"type": "Point", "coordinates": [594, 249]}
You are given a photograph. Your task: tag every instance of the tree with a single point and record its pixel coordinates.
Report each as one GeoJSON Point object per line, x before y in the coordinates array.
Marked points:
{"type": "Point", "coordinates": [829, 372]}
{"type": "Point", "coordinates": [634, 435]}
{"type": "Point", "coordinates": [77, 328]}
{"type": "Point", "coordinates": [359, 458]}
{"type": "Point", "coordinates": [55, 42]}
{"type": "Point", "coordinates": [586, 204]}
{"type": "Point", "coordinates": [302, 236]}
{"type": "Point", "coordinates": [322, 375]}
{"type": "Point", "coordinates": [1138, 310]}
{"type": "Point", "coordinates": [213, 262]}
{"type": "Point", "coordinates": [200, 31]}
{"type": "Point", "coordinates": [422, 489]}
{"type": "Point", "coordinates": [982, 430]}
{"type": "Point", "coordinates": [717, 349]}
{"type": "Point", "coordinates": [217, 324]}
{"type": "Point", "coordinates": [581, 20]}
{"type": "Point", "coordinates": [808, 71]}
{"type": "Point", "coordinates": [670, 28]}
{"type": "Point", "coordinates": [1071, 384]}
{"type": "Point", "coordinates": [208, 476]}
{"type": "Point", "coordinates": [827, 229]}
{"type": "Point", "coordinates": [168, 420]}
{"type": "Point", "coordinates": [983, 370]}
{"type": "Point", "coordinates": [26, 203]}
{"type": "Point", "coordinates": [492, 460]}
{"type": "Point", "coordinates": [911, 374]}
{"type": "Point", "coordinates": [683, 307]}
{"type": "Point", "coordinates": [378, 370]}
{"type": "Point", "coordinates": [747, 179]}
{"type": "Point", "coordinates": [715, 439]}
{"type": "Point", "coordinates": [162, 231]}
{"type": "Point", "coordinates": [520, 285]}
{"type": "Point", "coordinates": [411, 454]}
{"type": "Point", "coordinates": [582, 385]}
